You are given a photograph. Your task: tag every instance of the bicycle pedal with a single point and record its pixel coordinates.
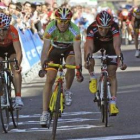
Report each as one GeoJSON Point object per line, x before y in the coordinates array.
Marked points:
{"type": "Point", "coordinates": [95, 100]}
{"type": "Point", "coordinates": [44, 125]}
{"type": "Point", "coordinates": [113, 114]}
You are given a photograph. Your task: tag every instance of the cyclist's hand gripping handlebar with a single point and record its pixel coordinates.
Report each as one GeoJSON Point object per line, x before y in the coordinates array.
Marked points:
{"type": "Point", "coordinates": [79, 75]}
{"type": "Point", "coordinates": [42, 72]}
{"type": "Point", "coordinates": [122, 65]}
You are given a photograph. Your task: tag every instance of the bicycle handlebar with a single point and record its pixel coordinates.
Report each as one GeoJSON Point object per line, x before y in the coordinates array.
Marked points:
{"type": "Point", "coordinates": [61, 66]}
{"type": "Point", "coordinates": [64, 66]}
{"type": "Point", "coordinates": [10, 61]}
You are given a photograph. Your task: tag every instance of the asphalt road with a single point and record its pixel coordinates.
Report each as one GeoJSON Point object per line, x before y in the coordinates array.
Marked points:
{"type": "Point", "coordinates": [82, 121]}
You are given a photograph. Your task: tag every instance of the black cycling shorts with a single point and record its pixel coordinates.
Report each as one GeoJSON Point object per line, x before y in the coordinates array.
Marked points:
{"type": "Point", "coordinates": [109, 48]}
{"type": "Point", "coordinates": [137, 24]}
{"type": "Point", "coordinates": [9, 49]}
{"type": "Point", "coordinates": [54, 54]}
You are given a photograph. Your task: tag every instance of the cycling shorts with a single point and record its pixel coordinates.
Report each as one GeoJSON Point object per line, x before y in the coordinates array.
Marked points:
{"type": "Point", "coordinates": [54, 54]}
{"type": "Point", "coordinates": [137, 25]}
{"type": "Point", "coordinates": [9, 49]}
{"type": "Point", "coordinates": [108, 46]}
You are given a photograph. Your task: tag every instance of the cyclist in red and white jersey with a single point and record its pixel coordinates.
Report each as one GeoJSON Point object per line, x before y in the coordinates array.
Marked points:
{"type": "Point", "coordinates": [9, 43]}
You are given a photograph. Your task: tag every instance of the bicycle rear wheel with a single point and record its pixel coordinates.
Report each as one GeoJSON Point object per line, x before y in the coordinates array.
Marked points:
{"type": "Point", "coordinates": [4, 111]}
{"type": "Point", "coordinates": [104, 106]}
{"type": "Point", "coordinates": [56, 112]}
{"type": "Point", "coordinates": [14, 112]}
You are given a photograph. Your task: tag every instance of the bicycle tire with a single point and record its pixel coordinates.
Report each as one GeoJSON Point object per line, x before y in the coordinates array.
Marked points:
{"type": "Point", "coordinates": [126, 37]}
{"type": "Point", "coordinates": [4, 112]}
{"type": "Point", "coordinates": [56, 112]}
{"type": "Point", "coordinates": [11, 89]}
{"type": "Point", "coordinates": [105, 100]}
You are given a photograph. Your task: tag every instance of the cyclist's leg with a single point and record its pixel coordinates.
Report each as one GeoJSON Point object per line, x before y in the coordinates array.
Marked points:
{"type": "Point", "coordinates": [47, 91]}
{"type": "Point", "coordinates": [17, 81]}
{"type": "Point", "coordinates": [50, 79]}
{"type": "Point", "coordinates": [112, 67]}
{"type": "Point", "coordinates": [93, 78]}
{"type": "Point", "coordinates": [130, 30]}
{"type": "Point", "coordinates": [69, 76]}
{"type": "Point", "coordinates": [70, 60]}
{"type": "Point", "coordinates": [53, 56]}
{"type": "Point", "coordinates": [136, 35]}
{"type": "Point", "coordinates": [112, 78]}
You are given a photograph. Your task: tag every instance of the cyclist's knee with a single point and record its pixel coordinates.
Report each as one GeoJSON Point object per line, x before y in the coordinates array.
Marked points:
{"type": "Point", "coordinates": [51, 75]}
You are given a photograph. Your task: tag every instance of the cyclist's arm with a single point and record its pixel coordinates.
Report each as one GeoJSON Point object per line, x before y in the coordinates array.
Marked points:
{"type": "Point", "coordinates": [88, 48]}
{"type": "Point", "coordinates": [77, 51]}
{"type": "Point", "coordinates": [132, 21]}
{"type": "Point", "coordinates": [117, 44]}
{"type": "Point", "coordinates": [44, 54]}
{"type": "Point", "coordinates": [18, 50]}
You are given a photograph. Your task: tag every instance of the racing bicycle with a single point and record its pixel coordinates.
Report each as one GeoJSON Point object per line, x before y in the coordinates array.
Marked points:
{"type": "Point", "coordinates": [7, 89]}
{"type": "Point", "coordinates": [103, 95]}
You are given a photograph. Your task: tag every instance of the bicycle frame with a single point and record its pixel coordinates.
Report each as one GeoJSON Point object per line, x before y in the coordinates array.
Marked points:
{"type": "Point", "coordinates": [59, 80]}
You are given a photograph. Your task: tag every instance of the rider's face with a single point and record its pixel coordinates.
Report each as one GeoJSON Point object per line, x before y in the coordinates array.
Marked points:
{"type": "Point", "coordinates": [63, 24]}
{"type": "Point", "coordinates": [103, 31]}
{"type": "Point", "coordinates": [3, 33]}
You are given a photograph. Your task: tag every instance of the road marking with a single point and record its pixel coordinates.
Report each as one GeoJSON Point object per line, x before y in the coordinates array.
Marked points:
{"type": "Point", "coordinates": [61, 121]}
{"type": "Point", "coordinates": [111, 137]}
{"type": "Point", "coordinates": [63, 114]}
{"type": "Point", "coordinates": [59, 128]}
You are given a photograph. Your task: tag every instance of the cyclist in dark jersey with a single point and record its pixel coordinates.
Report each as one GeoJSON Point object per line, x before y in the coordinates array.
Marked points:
{"type": "Point", "coordinates": [104, 33]}
{"type": "Point", "coordinates": [136, 26]}
{"type": "Point", "coordinates": [9, 43]}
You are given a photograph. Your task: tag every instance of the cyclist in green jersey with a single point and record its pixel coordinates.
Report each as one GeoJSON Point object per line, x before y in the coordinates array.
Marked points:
{"type": "Point", "coordinates": [61, 36]}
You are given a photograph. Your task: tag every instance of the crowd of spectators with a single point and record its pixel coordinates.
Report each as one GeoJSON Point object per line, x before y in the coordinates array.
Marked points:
{"type": "Point", "coordinates": [36, 15]}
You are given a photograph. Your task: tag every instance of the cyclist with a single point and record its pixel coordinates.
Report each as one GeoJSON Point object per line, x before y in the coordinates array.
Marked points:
{"type": "Point", "coordinates": [136, 26]}
{"type": "Point", "coordinates": [104, 33]}
{"type": "Point", "coordinates": [124, 21]}
{"type": "Point", "coordinates": [9, 43]}
{"type": "Point", "coordinates": [61, 36]}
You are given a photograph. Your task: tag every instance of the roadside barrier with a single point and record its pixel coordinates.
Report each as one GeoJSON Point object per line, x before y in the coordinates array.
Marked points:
{"type": "Point", "coordinates": [31, 47]}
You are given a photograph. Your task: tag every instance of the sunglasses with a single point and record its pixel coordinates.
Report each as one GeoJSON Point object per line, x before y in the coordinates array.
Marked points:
{"type": "Point", "coordinates": [4, 29]}
{"type": "Point", "coordinates": [103, 28]}
{"type": "Point", "coordinates": [63, 21]}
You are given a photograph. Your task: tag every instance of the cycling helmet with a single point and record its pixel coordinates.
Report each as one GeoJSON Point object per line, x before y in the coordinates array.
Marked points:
{"type": "Point", "coordinates": [137, 10]}
{"type": "Point", "coordinates": [63, 13]}
{"type": "Point", "coordinates": [4, 20]}
{"type": "Point", "coordinates": [104, 19]}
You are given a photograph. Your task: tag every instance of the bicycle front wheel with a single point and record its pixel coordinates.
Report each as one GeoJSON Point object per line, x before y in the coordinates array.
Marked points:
{"type": "Point", "coordinates": [104, 106]}
{"type": "Point", "coordinates": [4, 111]}
{"type": "Point", "coordinates": [14, 112]}
{"type": "Point", "coordinates": [56, 112]}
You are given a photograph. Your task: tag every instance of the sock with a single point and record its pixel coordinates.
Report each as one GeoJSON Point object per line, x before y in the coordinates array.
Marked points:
{"type": "Point", "coordinates": [18, 94]}
{"type": "Point", "coordinates": [113, 100]}
{"type": "Point", "coordinates": [44, 112]}
{"type": "Point", "coordinates": [92, 75]}
{"type": "Point", "coordinates": [18, 97]}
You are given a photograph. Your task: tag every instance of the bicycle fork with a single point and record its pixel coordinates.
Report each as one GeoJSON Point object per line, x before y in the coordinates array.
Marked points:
{"type": "Point", "coordinates": [108, 92]}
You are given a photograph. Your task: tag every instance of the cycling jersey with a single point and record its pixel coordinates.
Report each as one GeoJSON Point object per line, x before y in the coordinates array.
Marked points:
{"type": "Point", "coordinates": [12, 36]}
{"type": "Point", "coordinates": [136, 13]}
{"type": "Point", "coordinates": [103, 42]}
{"type": "Point", "coordinates": [124, 15]}
{"type": "Point", "coordinates": [62, 39]}
{"type": "Point", "coordinates": [93, 33]}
